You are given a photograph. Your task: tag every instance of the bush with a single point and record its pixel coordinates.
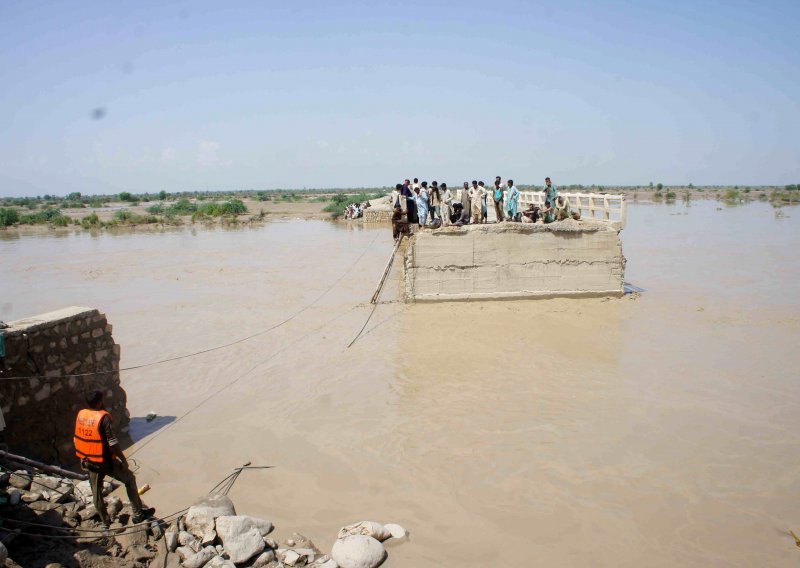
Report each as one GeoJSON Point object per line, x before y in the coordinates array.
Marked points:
{"type": "Point", "coordinates": [74, 196]}
{"type": "Point", "coordinates": [90, 221]}
{"type": "Point", "coordinates": [660, 186]}
{"type": "Point", "coordinates": [731, 195]}
{"type": "Point", "coordinates": [157, 209]}
{"type": "Point", "coordinates": [8, 216]}
{"type": "Point", "coordinates": [162, 195]}
{"type": "Point", "coordinates": [670, 196]}
{"type": "Point", "coordinates": [181, 207]}
{"type": "Point", "coordinates": [125, 196]}
{"type": "Point", "coordinates": [45, 216]}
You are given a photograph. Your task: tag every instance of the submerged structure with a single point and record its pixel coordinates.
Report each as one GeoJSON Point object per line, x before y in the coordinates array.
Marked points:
{"type": "Point", "coordinates": [522, 260]}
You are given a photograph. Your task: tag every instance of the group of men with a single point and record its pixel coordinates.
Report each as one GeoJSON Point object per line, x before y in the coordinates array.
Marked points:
{"type": "Point", "coordinates": [436, 205]}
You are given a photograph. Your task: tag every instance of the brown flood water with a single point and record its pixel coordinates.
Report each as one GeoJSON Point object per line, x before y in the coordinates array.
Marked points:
{"type": "Point", "coordinates": [662, 430]}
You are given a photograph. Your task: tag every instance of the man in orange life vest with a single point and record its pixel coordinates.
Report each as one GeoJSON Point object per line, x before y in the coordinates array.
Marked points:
{"type": "Point", "coordinates": [98, 449]}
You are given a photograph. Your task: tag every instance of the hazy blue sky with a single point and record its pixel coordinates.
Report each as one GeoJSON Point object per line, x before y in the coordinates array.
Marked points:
{"type": "Point", "coordinates": [230, 95]}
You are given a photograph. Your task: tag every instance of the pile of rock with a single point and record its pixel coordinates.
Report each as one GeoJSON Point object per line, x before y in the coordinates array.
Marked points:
{"type": "Point", "coordinates": [211, 534]}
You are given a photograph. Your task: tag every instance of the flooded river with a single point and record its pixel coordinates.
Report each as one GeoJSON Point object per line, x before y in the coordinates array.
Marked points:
{"type": "Point", "coordinates": [660, 430]}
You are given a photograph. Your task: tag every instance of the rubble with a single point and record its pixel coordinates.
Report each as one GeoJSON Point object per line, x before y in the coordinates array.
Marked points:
{"type": "Point", "coordinates": [209, 535]}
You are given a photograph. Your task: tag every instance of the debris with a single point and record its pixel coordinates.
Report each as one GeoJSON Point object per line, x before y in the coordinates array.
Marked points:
{"type": "Point", "coordinates": [358, 551]}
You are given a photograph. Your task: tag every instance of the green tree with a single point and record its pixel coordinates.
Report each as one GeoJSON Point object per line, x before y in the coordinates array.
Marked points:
{"type": "Point", "coordinates": [162, 195]}
{"type": "Point", "coordinates": [125, 196]}
{"type": "Point", "coordinates": [660, 186]}
{"type": "Point", "coordinates": [74, 196]}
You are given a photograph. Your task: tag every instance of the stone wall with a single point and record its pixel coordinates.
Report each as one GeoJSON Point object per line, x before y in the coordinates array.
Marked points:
{"type": "Point", "coordinates": [40, 411]}
{"type": "Point", "coordinates": [515, 260]}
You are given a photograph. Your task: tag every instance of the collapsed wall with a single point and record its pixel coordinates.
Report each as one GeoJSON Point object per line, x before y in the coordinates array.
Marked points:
{"type": "Point", "coordinates": [39, 394]}
{"type": "Point", "coordinates": [515, 260]}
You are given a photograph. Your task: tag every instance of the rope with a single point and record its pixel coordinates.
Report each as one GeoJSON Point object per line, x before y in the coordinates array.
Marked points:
{"type": "Point", "coordinates": [374, 307]}
{"type": "Point", "coordinates": [210, 349]}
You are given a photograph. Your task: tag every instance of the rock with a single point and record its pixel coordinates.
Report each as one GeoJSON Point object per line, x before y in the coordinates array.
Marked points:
{"type": "Point", "coordinates": [220, 562]}
{"type": "Point", "coordinates": [368, 528]}
{"type": "Point", "coordinates": [240, 536]}
{"type": "Point", "coordinates": [83, 491]}
{"type": "Point", "coordinates": [264, 527]}
{"type": "Point", "coordinates": [53, 565]}
{"type": "Point", "coordinates": [358, 551]}
{"type": "Point", "coordinates": [264, 559]}
{"type": "Point", "coordinates": [329, 563]}
{"type": "Point", "coordinates": [290, 558]}
{"type": "Point", "coordinates": [171, 536]}
{"type": "Point", "coordinates": [137, 553]}
{"type": "Point", "coordinates": [14, 496]}
{"type": "Point", "coordinates": [20, 479]}
{"type": "Point", "coordinates": [185, 552]}
{"type": "Point", "coordinates": [290, 542]}
{"type": "Point", "coordinates": [155, 530]}
{"type": "Point", "coordinates": [271, 542]}
{"type": "Point", "coordinates": [185, 538]}
{"type": "Point", "coordinates": [86, 559]}
{"type": "Point", "coordinates": [87, 513]}
{"type": "Point", "coordinates": [200, 559]}
{"type": "Point", "coordinates": [113, 505]}
{"type": "Point", "coordinates": [62, 494]}
{"type": "Point", "coordinates": [201, 516]}
{"type": "Point", "coordinates": [47, 481]}
{"type": "Point", "coordinates": [31, 497]}
{"type": "Point", "coordinates": [395, 530]}
{"type": "Point", "coordinates": [3, 553]}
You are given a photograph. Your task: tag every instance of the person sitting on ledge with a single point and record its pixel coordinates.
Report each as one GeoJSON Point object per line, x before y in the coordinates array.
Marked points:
{"type": "Point", "coordinates": [98, 449]}
{"type": "Point", "coordinates": [562, 210]}
{"type": "Point", "coordinates": [548, 213]}
{"type": "Point", "coordinates": [531, 214]}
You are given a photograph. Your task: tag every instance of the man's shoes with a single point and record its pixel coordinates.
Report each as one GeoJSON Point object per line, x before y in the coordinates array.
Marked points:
{"type": "Point", "coordinates": [143, 515]}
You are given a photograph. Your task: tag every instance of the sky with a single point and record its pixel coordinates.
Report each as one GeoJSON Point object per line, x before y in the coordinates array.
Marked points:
{"type": "Point", "coordinates": [148, 96]}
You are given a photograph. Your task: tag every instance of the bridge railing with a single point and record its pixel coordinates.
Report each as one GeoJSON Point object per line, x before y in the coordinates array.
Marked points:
{"type": "Point", "coordinates": [598, 206]}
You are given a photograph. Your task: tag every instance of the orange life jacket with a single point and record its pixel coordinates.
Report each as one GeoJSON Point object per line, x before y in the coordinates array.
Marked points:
{"type": "Point", "coordinates": [88, 440]}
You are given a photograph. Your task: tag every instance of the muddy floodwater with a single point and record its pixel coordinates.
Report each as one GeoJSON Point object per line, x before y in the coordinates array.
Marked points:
{"type": "Point", "coordinates": [659, 430]}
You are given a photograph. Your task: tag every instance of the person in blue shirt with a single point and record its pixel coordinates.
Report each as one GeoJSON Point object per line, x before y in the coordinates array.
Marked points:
{"type": "Point", "coordinates": [513, 200]}
{"type": "Point", "coordinates": [550, 191]}
{"type": "Point", "coordinates": [497, 197]}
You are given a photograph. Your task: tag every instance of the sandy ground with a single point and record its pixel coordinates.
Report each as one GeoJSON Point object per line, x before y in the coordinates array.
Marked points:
{"type": "Point", "coordinates": [662, 430]}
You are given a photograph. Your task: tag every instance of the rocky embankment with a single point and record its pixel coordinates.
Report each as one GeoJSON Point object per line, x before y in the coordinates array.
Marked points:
{"type": "Point", "coordinates": [50, 522]}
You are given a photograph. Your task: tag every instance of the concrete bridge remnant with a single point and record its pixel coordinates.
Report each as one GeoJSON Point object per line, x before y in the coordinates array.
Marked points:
{"type": "Point", "coordinates": [51, 360]}
{"type": "Point", "coordinates": [515, 260]}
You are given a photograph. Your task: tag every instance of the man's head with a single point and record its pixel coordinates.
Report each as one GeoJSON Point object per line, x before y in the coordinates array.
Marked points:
{"type": "Point", "coordinates": [444, 185]}
{"type": "Point", "coordinates": [425, 184]}
{"type": "Point", "coordinates": [466, 185]}
{"type": "Point", "coordinates": [407, 181]}
{"type": "Point", "coordinates": [510, 183]}
{"type": "Point", "coordinates": [434, 184]}
{"type": "Point", "coordinates": [399, 186]}
{"type": "Point", "coordinates": [560, 200]}
{"type": "Point", "coordinates": [94, 398]}
{"type": "Point", "coordinates": [547, 182]}
{"type": "Point", "coordinates": [480, 183]}
{"type": "Point", "coordinates": [497, 179]}
{"type": "Point", "coordinates": [474, 183]}
{"type": "Point", "coordinates": [416, 180]}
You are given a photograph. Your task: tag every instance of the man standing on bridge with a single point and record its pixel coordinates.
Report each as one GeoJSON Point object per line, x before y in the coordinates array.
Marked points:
{"type": "Point", "coordinates": [550, 192]}
{"type": "Point", "coordinates": [98, 449]}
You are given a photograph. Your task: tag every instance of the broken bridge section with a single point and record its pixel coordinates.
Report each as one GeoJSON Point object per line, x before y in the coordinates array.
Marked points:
{"type": "Point", "coordinates": [51, 361]}
{"type": "Point", "coordinates": [515, 260]}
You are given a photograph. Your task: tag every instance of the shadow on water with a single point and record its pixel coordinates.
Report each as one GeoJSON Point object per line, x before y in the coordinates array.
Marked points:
{"type": "Point", "coordinates": [140, 428]}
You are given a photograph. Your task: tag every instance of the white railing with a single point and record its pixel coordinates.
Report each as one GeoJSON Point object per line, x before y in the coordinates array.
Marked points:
{"type": "Point", "coordinates": [598, 206]}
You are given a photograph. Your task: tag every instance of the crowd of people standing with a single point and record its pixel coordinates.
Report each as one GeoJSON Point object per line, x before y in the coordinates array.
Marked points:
{"type": "Point", "coordinates": [436, 205]}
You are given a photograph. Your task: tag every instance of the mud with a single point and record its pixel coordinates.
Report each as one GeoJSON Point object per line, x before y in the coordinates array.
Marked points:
{"type": "Point", "coordinates": [661, 430]}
